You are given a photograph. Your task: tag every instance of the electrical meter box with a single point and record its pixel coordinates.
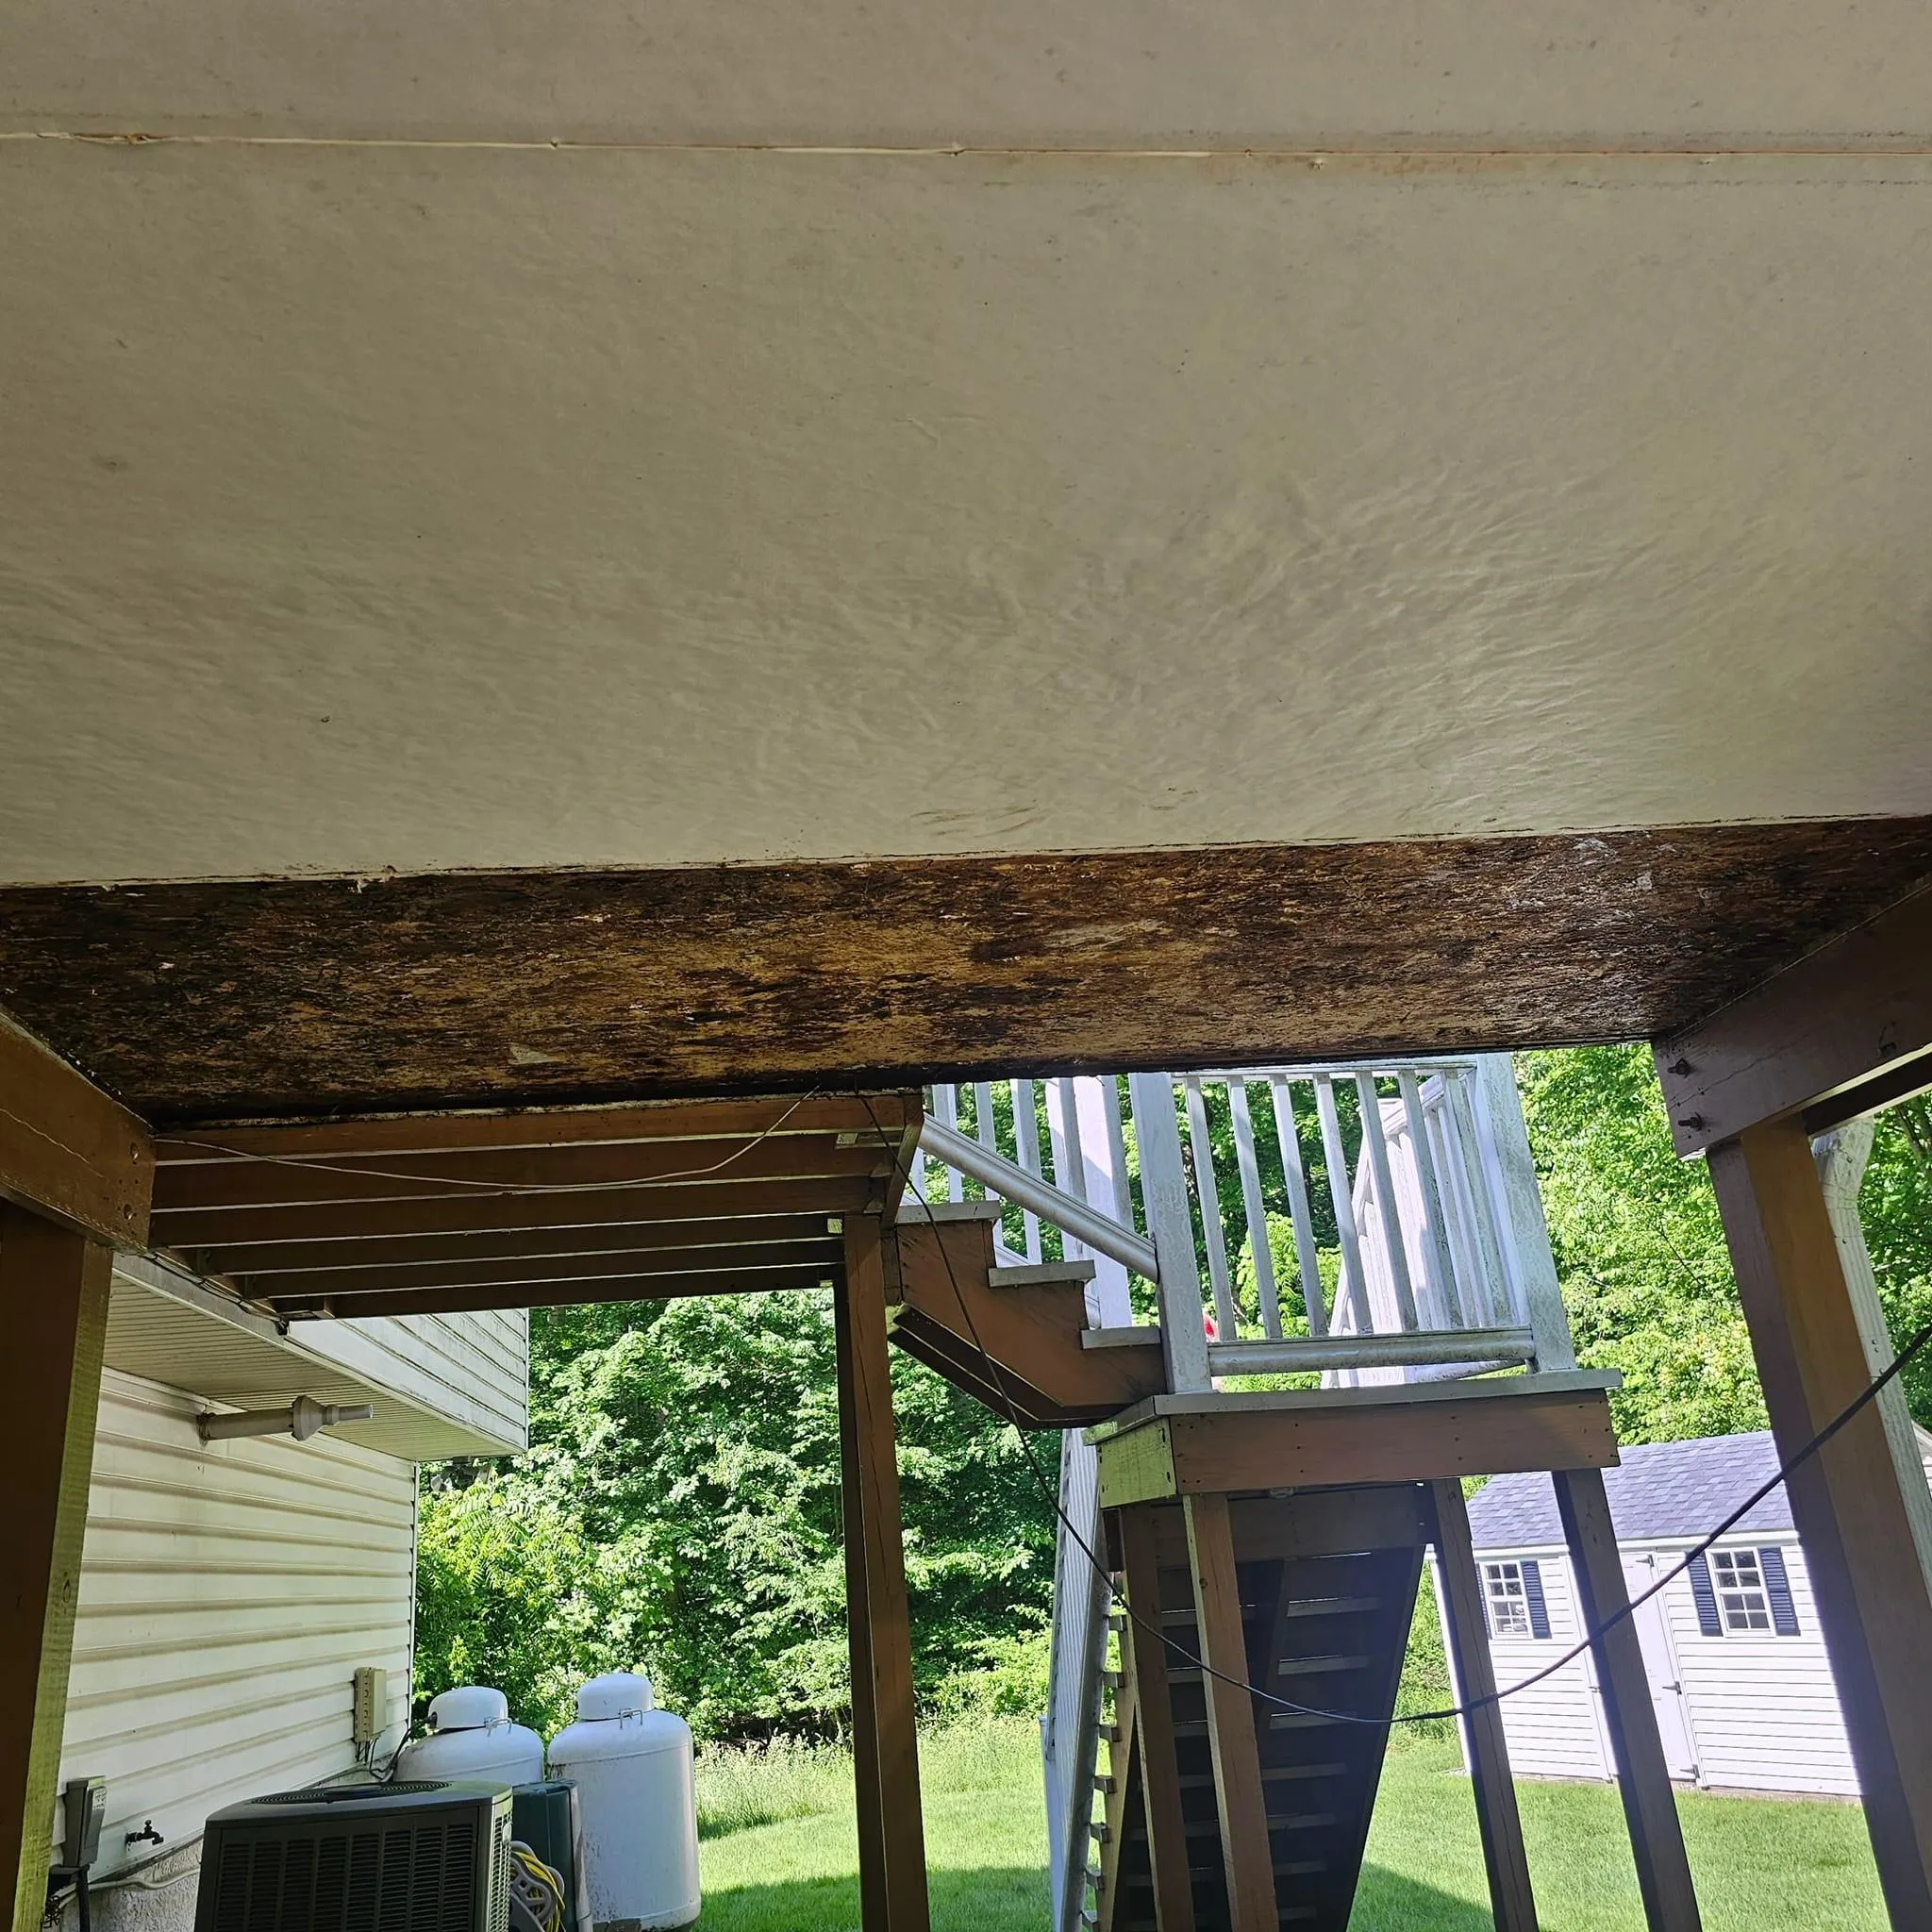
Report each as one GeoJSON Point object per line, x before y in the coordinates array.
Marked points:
{"type": "Point", "coordinates": [85, 1805]}
{"type": "Point", "coordinates": [366, 1714]}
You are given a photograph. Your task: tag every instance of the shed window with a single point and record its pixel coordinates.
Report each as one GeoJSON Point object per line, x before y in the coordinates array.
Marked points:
{"type": "Point", "coordinates": [1514, 1592]}
{"type": "Point", "coordinates": [1744, 1593]}
{"type": "Point", "coordinates": [1741, 1596]}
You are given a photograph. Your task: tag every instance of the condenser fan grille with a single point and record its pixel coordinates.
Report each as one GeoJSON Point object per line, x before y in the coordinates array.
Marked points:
{"type": "Point", "coordinates": [404, 1878]}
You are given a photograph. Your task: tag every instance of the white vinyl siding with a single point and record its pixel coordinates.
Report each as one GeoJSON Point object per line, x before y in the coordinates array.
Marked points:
{"type": "Point", "coordinates": [1763, 1711]}
{"type": "Point", "coordinates": [440, 1385]}
{"type": "Point", "coordinates": [1552, 1727]}
{"type": "Point", "coordinates": [475, 1368]}
{"type": "Point", "coordinates": [229, 1591]}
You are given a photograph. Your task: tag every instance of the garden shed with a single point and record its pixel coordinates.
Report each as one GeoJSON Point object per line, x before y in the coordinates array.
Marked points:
{"type": "Point", "coordinates": [1736, 1659]}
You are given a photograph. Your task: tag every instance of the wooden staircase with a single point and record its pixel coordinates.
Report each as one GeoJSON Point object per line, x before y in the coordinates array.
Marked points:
{"type": "Point", "coordinates": [1327, 1583]}
{"type": "Point", "coordinates": [1015, 1338]}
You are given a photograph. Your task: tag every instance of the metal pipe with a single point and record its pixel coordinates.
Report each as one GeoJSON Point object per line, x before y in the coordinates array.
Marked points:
{"type": "Point", "coordinates": [1372, 1351]}
{"type": "Point", "coordinates": [1102, 1234]}
{"type": "Point", "coordinates": [301, 1418]}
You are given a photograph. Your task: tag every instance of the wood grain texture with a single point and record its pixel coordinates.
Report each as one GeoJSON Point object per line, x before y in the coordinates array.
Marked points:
{"type": "Point", "coordinates": [229, 1000]}
{"type": "Point", "coordinates": [1857, 1012]}
{"type": "Point", "coordinates": [1240, 1803]}
{"type": "Point", "coordinates": [54, 1302]}
{"type": "Point", "coordinates": [865, 1721]}
{"type": "Point", "coordinates": [1037, 1369]}
{"type": "Point", "coordinates": [887, 1650]}
{"type": "Point", "coordinates": [1147, 1661]}
{"type": "Point", "coordinates": [1381, 1443]}
{"type": "Point", "coordinates": [1847, 1501]}
{"type": "Point", "coordinates": [1322, 1523]}
{"type": "Point", "coordinates": [66, 1150]}
{"type": "Point", "coordinates": [759, 1278]}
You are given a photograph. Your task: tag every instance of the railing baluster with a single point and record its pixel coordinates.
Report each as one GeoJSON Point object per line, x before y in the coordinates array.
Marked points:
{"type": "Point", "coordinates": [1479, 1286]}
{"type": "Point", "coordinates": [1170, 1227]}
{"type": "Point", "coordinates": [1224, 1317]}
{"type": "Point", "coordinates": [945, 1107]}
{"type": "Point", "coordinates": [1438, 1265]}
{"type": "Point", "coordinates": [1521, 1220]}
{"type": "Point", "coordinates": [1481, 1207]}
{"type": "Point", "coordinates": [1026, 1143]}
{"type": "Point", "coordinates": [1116, 1150]}
{"type": "Point", "coordinates": [1458, 1219]}
{"type": "Point", "coordinates": [1063, 1123]}
{"type": "Point", "coordinates": [1255, 1208]}
{"type": "Point", "coordinates": [1103, 1169]}
{"type": "Point", "coordinates": [1377, 1141]}
{"type": "Point", "coordinates": [1355, 1282]}
{"type": "Point", "coordinates": [983, 1116]}
{"type": "Point", "coordinates": [1288, 1137]}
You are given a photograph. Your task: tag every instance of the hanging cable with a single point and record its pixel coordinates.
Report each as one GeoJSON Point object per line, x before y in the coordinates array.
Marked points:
{"type": "Point", "coordinates": [497, 1190]}
{"type": "Point", "coordinates": [1191, 1661]}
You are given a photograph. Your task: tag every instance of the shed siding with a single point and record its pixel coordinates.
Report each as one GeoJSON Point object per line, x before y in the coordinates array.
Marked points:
{"type": "Point", "coordinates": [1764, 1709]}
{"type": "Point", "coordinates": [229, 1591]}
{"type": "Point", "coordinates": [1552, 1728]}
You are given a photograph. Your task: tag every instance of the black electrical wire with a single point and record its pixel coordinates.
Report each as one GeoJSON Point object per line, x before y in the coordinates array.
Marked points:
{"type": "Point", "coordinates": [1853, 1409]}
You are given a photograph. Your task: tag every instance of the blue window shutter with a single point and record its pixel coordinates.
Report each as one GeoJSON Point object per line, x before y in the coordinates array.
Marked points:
{"type": "Point", "coordinates": [1705, 1598]}
{"type": "Point", "coordinates": [1777, 1587]}
{"type": "Point", "coordinates": [1533, 1597]}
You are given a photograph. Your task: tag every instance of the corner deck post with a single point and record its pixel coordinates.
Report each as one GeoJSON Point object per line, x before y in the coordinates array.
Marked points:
{"type": "Point", "coordinates": [1852, 1513]}
{"type": "Point", "coordinates": [54, 1300]}
{"type": "Point", "coordinates": [885, 1739]}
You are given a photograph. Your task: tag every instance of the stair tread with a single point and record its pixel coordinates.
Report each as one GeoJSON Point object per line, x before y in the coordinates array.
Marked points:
{"type": "Point", "coordinates": [915, 1213]}
{"type": "Point", "coordinates": [1038, 1274]}
{"type": "Point", "coordinates": [1118, 1338]}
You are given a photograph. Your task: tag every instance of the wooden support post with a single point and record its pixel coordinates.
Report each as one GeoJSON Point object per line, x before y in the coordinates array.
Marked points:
{"type": "Point", "coordinates": [1643, 1779]}
{"type": "Point", "coordinates": [865, 1763]}
{"type": "Point", "coordinates": [893, 1890]}
{"type": "Point", "coordinates": [1239, 1795]}
{"type": "Point", "coordinates": [54, 1304]}
{"type": "Point", "coordinates": [1160, 1780]}
{"type": "Point", "coordinates": [1853, 1516]}
{"type": "Point", "coordinates": [1473, 1673]}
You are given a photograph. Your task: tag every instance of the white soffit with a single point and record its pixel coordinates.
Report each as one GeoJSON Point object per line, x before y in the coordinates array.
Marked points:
{"type": "Point", "coordinates": [167, 1328]}
{"type": "Point", "coordinates": [418, 493]}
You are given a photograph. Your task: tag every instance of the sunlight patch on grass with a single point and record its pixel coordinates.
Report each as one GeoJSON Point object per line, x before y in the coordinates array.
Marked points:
{"type": "Point", "coordinates": [780, 1852]}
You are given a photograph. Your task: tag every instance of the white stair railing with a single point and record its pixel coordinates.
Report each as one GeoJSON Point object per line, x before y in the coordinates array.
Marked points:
{"type": "Point", "coordinates": [1435, 1263]}
{"type": "Point", "coordinates": [1427, 1256]}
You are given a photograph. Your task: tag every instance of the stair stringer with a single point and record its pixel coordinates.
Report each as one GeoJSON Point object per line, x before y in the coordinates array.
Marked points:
{"type": "Point", "coordinates": [1017, 1349]}
{"type": "Point", "coordinates": [1314, 1594]}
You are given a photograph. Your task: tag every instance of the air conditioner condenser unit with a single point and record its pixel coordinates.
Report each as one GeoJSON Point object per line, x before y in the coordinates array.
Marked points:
{"type": "Point", "coordinates": [371, 1857]}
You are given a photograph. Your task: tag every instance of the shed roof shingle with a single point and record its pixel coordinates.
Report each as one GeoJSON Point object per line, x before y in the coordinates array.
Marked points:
{"type": "Point", "coordinates": [1660, 1489]}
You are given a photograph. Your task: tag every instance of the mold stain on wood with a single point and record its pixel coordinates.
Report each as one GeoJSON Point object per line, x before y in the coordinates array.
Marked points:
{"type": "Point", "coordinates": [279, 998]}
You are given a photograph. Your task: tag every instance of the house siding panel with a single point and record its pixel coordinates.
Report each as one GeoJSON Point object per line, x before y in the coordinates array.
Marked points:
{"type": "Point", "coordinates": [229, 1591]}
{"type": "Point", "coordinates": [473, 1367]}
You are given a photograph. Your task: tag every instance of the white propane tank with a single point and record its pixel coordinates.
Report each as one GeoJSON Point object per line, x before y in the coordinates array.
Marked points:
{"type": "Point", "coordinates": [632, 1766]}
{"type": "Point", "coordinates": [470, 1737]}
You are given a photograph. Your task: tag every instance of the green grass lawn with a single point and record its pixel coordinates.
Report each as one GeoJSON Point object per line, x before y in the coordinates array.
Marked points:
{"type": "Point", "coordinates": [780, 1854]}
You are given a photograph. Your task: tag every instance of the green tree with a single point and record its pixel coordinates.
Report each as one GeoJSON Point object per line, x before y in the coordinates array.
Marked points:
{"type": "Point", "coordinates": [1640, 1251]}
{"type": "Point", "coordinates": [679, 1508]}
